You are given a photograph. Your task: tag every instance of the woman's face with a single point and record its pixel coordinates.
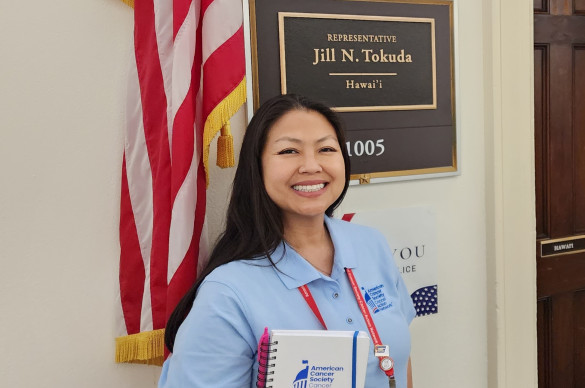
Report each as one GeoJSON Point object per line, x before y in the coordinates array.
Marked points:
{"type": "Point", "coordinates": [302, 165]}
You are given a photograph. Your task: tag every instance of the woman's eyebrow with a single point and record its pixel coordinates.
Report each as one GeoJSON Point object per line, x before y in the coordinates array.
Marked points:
{"type": "Point", "coordinates": [295, 140]}
{"type": "Point", "coordinates": [288, 138]}
{"type": "Point", "coordinates": [332, 137]}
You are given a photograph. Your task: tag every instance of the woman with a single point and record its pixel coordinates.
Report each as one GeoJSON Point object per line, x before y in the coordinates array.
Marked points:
{"type": "Point", "coordinates": [293, 172]}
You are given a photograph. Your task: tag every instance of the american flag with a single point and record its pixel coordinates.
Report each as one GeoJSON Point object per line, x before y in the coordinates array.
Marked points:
{"type": "Point", "coordinates": [187, 79]}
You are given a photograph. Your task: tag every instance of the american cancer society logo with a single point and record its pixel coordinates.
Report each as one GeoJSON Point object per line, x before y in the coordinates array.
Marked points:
{"type": "Point", "coordinates": [376, 299]}
{"type": "Point", "coordinates": [316, 376]}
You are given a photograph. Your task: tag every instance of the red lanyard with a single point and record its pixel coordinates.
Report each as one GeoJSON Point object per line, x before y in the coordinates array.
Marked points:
{"type": "Point", "coordinates": [363, 308]}
{"type": "Point", "coordinates": [312, 304]}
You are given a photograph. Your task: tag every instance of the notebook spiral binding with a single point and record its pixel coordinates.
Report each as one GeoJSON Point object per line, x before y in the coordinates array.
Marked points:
{"type": "Point", "coordinates": [266, 363]}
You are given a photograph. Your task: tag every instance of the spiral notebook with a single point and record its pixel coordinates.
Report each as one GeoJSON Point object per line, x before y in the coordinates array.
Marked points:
{"type": "Point", "coordinates": [312, 358]}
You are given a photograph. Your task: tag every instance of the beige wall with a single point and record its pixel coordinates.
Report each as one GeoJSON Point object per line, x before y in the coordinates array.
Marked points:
{"type": "Point", "coordinates": [62, 77]}
{"type": "Point", "coordinates": [62, 72]}
{"type": "Point", "coordinates": [511, 223]}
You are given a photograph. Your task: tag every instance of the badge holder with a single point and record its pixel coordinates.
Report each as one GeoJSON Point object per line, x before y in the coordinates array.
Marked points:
{"type": "Point", "coordinates": [386, 363]}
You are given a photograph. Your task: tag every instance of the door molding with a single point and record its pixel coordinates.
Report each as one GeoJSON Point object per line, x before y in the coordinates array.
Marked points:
{"type": "Point", "coordinates": [510, 194]}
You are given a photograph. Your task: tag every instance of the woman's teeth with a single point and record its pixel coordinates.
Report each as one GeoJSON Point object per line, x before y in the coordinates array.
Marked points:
{"type": "Point", "coordinates": [309, 188]}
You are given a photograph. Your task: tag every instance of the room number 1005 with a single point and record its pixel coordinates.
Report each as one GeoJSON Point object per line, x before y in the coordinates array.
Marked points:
{"type": "Point", "coordinates": [368, 147]}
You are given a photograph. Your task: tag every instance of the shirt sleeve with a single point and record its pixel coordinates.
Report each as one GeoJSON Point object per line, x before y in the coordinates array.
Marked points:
{"type": "Point", "coordinates": [406, 303]}
{"type": "Point", "coordinates": [214, 345]}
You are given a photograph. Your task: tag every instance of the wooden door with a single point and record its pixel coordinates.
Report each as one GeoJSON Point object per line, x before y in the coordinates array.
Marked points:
{"type": "Point", "coordinates": [559, 93]}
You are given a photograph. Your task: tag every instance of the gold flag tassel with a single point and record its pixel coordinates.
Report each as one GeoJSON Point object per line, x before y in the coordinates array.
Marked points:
{"type": "Point", "coordinates": [216, 121]}
{"type": "Point", "coordinates": [142, 348]}
{"type": "Point", "coordinates": [129, 2]}
{"type": "Point", "coordinates": [225, 147]}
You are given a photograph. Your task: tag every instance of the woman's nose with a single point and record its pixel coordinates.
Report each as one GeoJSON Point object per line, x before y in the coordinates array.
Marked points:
{"type": "Point", "coordinates": [310, 164]}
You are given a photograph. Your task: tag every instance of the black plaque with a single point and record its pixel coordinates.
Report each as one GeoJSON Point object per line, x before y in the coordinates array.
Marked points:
{"type": "Point", "coordinates": [359, 63]}
{"type": "Point", "coordinates": [402, 122]}
{"type": "Point", "coordinates": [562, 246]}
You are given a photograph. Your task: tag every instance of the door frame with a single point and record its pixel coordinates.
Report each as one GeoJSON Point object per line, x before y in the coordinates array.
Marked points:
{"type": "Point", "coordinates": [510, 193]}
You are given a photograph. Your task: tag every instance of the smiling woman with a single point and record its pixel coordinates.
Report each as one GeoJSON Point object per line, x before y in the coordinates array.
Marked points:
{"type": "Point", "coordinates": [280, 239]}
{"type": "Point", "coordinates": [304, 173]}
{"type": "Point", "coordinates": [303, 168]}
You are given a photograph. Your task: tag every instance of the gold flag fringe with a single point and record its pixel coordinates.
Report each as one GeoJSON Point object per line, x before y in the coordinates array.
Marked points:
{"type": "Point", "coordinates": [142, 348]}
{"type": "Point", "coordinates": [129, 2]}
{"type": "Point", "coordinates": [217, 119]}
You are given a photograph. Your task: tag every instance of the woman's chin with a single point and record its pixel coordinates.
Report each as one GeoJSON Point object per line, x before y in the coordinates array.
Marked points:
{"type": "Point", "coordinates": [306, 214]}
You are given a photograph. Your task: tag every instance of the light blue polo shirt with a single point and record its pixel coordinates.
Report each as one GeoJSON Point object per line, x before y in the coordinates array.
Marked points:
{"type": "Point", "coordinates": [217, 343]}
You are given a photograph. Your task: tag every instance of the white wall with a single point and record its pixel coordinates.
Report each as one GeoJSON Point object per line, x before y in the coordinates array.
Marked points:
{"type": "Point", "coordinates": [510, 191]}
{"type": "Point", "coordinates": [62, 86]}
{"type": "Point", "coordinates": [62, 77]}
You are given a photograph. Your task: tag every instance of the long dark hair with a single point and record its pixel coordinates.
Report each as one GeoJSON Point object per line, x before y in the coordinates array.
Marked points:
{"type": "Point", "coordinates": [254, 226]}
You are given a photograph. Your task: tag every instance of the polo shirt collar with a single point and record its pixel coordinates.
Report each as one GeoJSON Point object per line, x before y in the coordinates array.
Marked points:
{"type": "Point", "coordinates": [294, 271]}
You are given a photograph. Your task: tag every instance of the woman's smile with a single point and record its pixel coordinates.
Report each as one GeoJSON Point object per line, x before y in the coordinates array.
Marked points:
{"type": "Point", "coordinates": [309, 188]}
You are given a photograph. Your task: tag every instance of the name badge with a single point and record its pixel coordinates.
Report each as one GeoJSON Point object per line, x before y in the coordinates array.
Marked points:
{"type": "Point", "coordinates": [381, 351]}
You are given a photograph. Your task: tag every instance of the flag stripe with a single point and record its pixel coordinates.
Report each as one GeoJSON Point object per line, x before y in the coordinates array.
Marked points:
{"type": "Point", "coordinates": [155, 127]}
{"type": "Point", "coordinates": [180, 11]}
{"type": "Point", "coordinates": [182, 222]}
{"type": "Point", "coordinates": [139, 176]}
{"type": "Point", "coordinates": [181, 250]}
{"type": "Point", "coordinates": [163, 23]}
{"type": "Point", "coordinates": [219, 26]}
{"type": "Point", "coordinates": [131, 268]}
{"type": "Point", "coordinates": [185, 195]}
{"type": "Point", "coordinates": [136, 210]}
{"type": "Point", "coordinates": [184, 277]}
{"type": "Point", "coordinates": [186, 77]}
{"type": "Point", "coordinates": [221, 73]}
{"type": "Point", "coordinates": [183, 143]}
{"type": "Point", "coordinates": [184, 57]}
